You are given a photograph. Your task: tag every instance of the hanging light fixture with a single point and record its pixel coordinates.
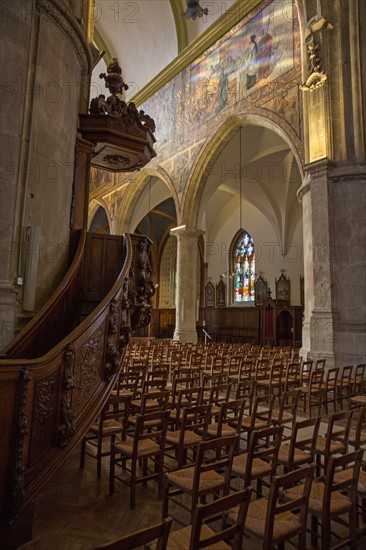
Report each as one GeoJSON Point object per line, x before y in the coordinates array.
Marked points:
{"type": "Point", "coordinates": [240, 268]}
{"type": "Point", "coordinates": [194, 10]}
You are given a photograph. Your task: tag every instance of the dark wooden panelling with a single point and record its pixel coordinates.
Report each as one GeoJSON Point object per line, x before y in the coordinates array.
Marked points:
{"type": "Point", "coordinates": [103, 262]}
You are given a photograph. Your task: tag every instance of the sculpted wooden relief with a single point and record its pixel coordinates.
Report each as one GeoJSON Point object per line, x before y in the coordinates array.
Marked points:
{"type": "Point", "coordinates": [88, 367]}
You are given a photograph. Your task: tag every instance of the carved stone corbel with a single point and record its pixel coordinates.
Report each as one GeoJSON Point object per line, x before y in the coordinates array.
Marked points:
{"type": "Point", "coordinates": [316, 75]}
{"type": "Point", "coordinates": [15, 488]}
{"type": "Point", "coordinates": [67, 418]}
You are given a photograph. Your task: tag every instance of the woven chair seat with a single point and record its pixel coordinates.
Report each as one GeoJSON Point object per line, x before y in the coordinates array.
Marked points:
{"type": "Point", "coordinates": [300, 457]}
{"type": "Point", "coordinates": [225, 431]}
{"type": "Point", "coordinates": [259, 467]}
{"type": "Point", "coordinates": [109, 427]}
{"type": "Point", "coordinates": [146, 447]}
{"type": "Point", "coordinates": [258, 424]}
{"type": "Point", "coordinates": [286, 524]}
{"type": "Point", "coordinates": [179, 540]}
{"type": "Point", "coordinates": [209, 481]}
{"type": "Point", "coordinates": [352, 437]}
{"type": "Point", "coordinates": [339, 504]}
{"type": "Point", "coordinates": [358, 399]}
{"type": "Point", "coordinates": [132, 419]}
{"type": "Point", "coordinates": [190, 438]}
{"type": "Point", "coordinates": [286, 416]}
{"type": "Point", "coordinates": [335, 447]}
{"type": "Point", "coordinates": [149, 403]}
{"type": "Point", "coordinates": [344, 475]}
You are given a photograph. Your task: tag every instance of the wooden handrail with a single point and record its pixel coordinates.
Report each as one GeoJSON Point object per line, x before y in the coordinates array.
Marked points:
{"type": "Point", "coordinates": [50, 401]}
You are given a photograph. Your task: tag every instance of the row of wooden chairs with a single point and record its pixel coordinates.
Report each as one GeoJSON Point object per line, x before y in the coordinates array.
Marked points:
{"type": "Point", "coordinates": [281, 515]}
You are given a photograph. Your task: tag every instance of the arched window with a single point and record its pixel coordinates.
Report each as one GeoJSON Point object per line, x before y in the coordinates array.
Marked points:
{"type": "Point", "coordinates": [243, 263]}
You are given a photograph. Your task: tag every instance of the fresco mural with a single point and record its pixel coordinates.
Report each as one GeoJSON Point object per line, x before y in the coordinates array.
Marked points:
{"type": "Point", "coordinates": [253, 54]}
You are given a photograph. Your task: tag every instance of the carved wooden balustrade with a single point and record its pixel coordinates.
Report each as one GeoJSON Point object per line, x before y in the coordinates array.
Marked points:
{"type": "Point", "coordinates": [47, 403]}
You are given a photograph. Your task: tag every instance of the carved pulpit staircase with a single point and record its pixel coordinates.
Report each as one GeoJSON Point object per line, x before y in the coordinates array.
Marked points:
{"type": "Point", "coordinates": [56, 375]}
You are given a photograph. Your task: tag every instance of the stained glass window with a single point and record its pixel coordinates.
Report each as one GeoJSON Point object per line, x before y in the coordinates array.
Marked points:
{"type": "Point", "coordinates": [244, 268]}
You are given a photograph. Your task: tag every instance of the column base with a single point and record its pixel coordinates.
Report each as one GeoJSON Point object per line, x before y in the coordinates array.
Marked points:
{"type": "Point", "coordinates": [185, 336]}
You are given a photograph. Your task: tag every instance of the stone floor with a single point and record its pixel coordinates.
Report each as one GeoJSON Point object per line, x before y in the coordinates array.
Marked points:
{"type": "Point", "coordinates": [75, 512]}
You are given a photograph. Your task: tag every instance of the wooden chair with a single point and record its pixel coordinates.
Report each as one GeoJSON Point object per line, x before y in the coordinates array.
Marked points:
{"type": "Point", "coordinates": [186, 397]}
{"type": "Point", "coordinates": [112, 423]}
{"type": "Point", "coordinates": [335, 440]}
{"type": "Point", "coordinates": [127, 384]}
{"type": "Point", "coordinates": [192, 429]}
{"type": "Point", "coordinates": [151, 401]}
{"type": "Point", "coordinates": [260, 460]}
{"type": "Point", "coordinates": [274, 382]}
{"type": "Point", "coordinates": [229, 419]}
{"type": "Point", "coordinates": [329, 388]}
{"type": "Point", "coordinates": [275, 521]}
{"type": "Point", "coordinates": [260, 416]}
{"type": "Point", "coordinates": [305, 371]}
{"type": "Point", "coordinates": [286, 411]}
{"type": "Point", "coordinates": [158, 533]}
{"type": "Point", "coordinates": [359, 379]}
{"type": "Point", "coordinates": [292, 376]}
{"type": "Point", "coordinates": [201, 535]}
{"type": "Point", "coordinates": [146, 443]}
{"type": "Point", "coordinates": [219, 393]}
{"type": "Point", "coordinates": [209, 475]}
{"type": "Point", "coordinates": [311, 391]}
{"type": "Point", "coordinates": [300, 449]}
{"type": "Point", "coordinates": [328, 501]}
{"type": "Point", "coordinates": [344, 384]}
{"type": "Point", "coordinates": [247, 390]}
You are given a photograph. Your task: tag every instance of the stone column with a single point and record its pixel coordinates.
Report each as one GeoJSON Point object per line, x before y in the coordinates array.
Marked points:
{"type": "Point", "coordinates": [321, 315]}
{"type": "Point", "coordinates": [186, 290]}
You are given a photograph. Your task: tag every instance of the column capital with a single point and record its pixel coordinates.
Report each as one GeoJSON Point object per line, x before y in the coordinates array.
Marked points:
{"type": "Point", "coordinates": [186, 231]}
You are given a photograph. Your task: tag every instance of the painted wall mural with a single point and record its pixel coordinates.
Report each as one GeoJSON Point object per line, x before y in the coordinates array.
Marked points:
{"type": "Point", "coordinates": [251, 55]}
{"type": "Point", "coordinates": [253, 63]}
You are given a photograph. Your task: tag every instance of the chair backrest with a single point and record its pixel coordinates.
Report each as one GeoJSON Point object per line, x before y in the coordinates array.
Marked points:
{"type": "Point", "coordinates": [155, 400]}
{"type": "Point", "coordinates": [292, 375]}
{"type": "Point", "coordinates": [247, 390]}
{"type": "Point", "coordinates": [231, 414]}
{"type": "Point", "coordinates": [359, 434]}
{"type": "Point", "coordinates": [320, 364]}
{"type": "Point", "coordinates": [160, 531]}
{"type": "Point", "coordinates": [214, 455]}
{"type": "Point", "coordinates": [349, 464]}
{"type": "Point", "coordinates": [210, 380]}
{"type": "Point", "coordinates": [262, 409]}
{"type": "Point", "coordinates": [339, 424]}
{"type": "Point", "coordinates": [303, 437]}
{"type": "Point", "coordinates": [143, 429]}
{"type": "Point", "coordinates": [288, 404]}
{"type": "Point", "coordinates": [298, 505]}
{"type": "Point", "coordinates": [117, 408]}
{"type": "Point", "coordinates": [195, 419]}
{"type": "Point", "coordinates": [233, 534]}
{"type": "Point", "coordinates": [305, 371]}
{"type": "Point", "coordinates": [263, 444]}
{"type": "Point", "coordinates": [187, 397]}
{"type": "Point", "coordinates": [219, 393]}
{"type": "Point", "coordinates": [156, 384]}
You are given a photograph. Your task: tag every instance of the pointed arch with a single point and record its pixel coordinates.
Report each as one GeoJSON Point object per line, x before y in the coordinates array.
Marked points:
{"type": "Point", "coordinates": [205, 162]}
{"type": "Point", "coordinates": [133, 195]}
{"type": "Point", "coordinates": [93, 208]}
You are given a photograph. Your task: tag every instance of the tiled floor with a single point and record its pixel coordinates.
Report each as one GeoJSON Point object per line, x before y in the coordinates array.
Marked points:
{"type": "Point", "coordinates": [75, 512]}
